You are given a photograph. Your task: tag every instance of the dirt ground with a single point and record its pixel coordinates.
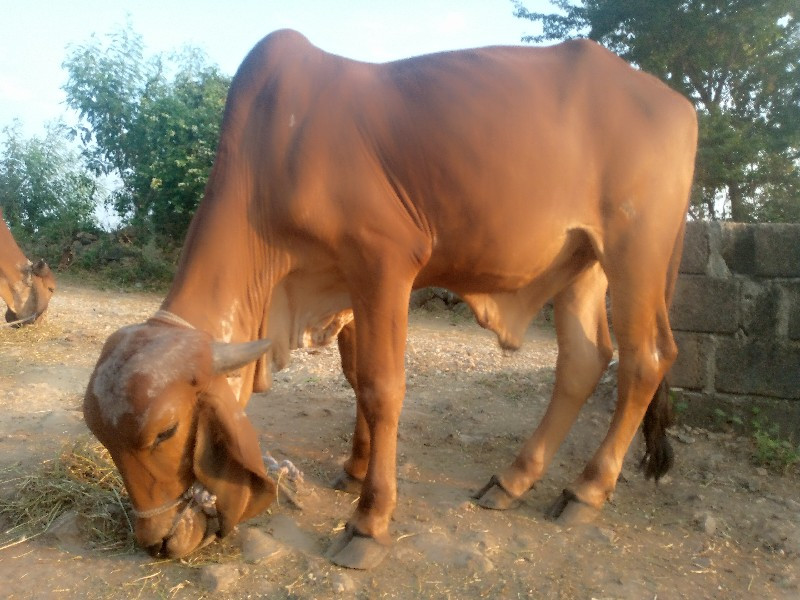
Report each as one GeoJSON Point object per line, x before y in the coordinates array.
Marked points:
{"type": "Point", "coordinates": [719, 526]}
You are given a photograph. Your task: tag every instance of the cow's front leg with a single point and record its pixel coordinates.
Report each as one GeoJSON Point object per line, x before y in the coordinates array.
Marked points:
{"type": "Point", "coordinates": [381, 327]}
{"type": "Point", "coordinates": [355, 467]}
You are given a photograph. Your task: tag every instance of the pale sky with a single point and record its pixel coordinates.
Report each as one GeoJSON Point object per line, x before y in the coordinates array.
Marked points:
{"type": "Point", "coordinates": [35, 34]}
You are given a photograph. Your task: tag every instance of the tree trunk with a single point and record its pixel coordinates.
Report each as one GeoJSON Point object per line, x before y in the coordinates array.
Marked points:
{"type": "Point", "coordinates": [710, 202]}
{"type": "Point", "coordinates": [739, 211]}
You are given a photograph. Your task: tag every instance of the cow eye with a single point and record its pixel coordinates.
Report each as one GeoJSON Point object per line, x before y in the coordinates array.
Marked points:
{"type": "Point", "coordinates": [165, 435]}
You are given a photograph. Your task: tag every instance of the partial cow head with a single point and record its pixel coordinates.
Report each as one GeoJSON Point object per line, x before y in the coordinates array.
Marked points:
{"type": "Point", "coordinates": [159, 401]}
{"type": "Point", "coordinates": [27, 291]}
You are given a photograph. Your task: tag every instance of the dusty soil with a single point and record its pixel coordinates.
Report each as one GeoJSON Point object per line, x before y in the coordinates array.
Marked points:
{"type": "Point", "coordinates": [720, 526]}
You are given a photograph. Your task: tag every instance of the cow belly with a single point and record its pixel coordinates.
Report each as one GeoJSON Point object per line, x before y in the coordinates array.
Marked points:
{"type": "Point", "coordinates": [507, 298]}
{"type": "Point", "coordinates": [507, 314]}
{"type": "Point", "coordinates": [323, 331]}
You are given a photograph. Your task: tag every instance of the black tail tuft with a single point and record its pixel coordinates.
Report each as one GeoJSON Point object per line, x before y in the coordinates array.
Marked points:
{"type": "Point", "coordinates": [658, 456]}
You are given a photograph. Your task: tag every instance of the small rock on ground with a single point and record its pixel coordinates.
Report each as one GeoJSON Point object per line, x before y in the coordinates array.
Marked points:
{"type": "Point", "coordinates": [342, 583]}
{"type": "Point", "coordinates": [66, 531]}
{"type": "Point", "coordinates": [285, 530]}
{"type": "Point", "coordinates": [706, 522]}
{"type": "Point", "coordinates": [219, 579]}
{"type": "Point", "coordinates": [258, 546]}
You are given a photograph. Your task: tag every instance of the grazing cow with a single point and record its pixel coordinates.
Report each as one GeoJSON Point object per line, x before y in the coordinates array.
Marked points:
{"type": "Point", "coordinates": [25, 287]}
{"type": "Point", "coordinates": [509, 175]}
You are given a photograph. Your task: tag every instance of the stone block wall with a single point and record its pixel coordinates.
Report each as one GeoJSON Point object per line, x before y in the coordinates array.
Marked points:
{"type": "Point", "coordinates": [736, 317]}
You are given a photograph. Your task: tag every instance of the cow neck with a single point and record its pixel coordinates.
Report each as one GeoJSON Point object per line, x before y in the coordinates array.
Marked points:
{"type": "Point", "coordinates": [221, 283]}
{"type": "Point", "coordinates": [11, 257]}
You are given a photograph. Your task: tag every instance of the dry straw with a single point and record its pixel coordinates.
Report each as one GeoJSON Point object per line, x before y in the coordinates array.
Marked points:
{"type": "Point", "coordinates": [82, 479]}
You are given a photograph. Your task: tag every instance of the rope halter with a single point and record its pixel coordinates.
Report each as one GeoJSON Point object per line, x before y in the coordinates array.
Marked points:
{"type": "Point", "coordinates": [171, 318]}
{"type": "Point", "coordinates": [195, 497]}
{"type": "Point", "coordinates": [19, 321]}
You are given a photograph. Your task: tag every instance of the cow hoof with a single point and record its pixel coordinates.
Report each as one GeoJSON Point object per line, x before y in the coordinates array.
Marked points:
{"type": "Point", "coordinates": [495, 497]}
{"type": "Point", "coordinates": [356, 551]}
{"type": "Point", "coordinates": [568, 510]}
{"type": "Point", "coordinates": [347, 483]}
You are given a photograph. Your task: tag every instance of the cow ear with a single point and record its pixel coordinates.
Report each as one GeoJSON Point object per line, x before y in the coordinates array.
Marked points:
{"type": "Point", "coordinates": [227, 458]}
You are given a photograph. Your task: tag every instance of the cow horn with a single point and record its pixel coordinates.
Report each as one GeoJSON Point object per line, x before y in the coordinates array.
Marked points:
{"type": "Point", "coordinates": [227, 357]}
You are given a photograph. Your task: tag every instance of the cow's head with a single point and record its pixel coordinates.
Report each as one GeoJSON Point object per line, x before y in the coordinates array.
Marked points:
{"type": "Point", "coordinates": [159, 401]}
{"type": "Point", "coordinates": [28, 292]}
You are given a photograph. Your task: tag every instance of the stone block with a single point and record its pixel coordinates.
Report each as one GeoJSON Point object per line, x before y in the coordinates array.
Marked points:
{"type": "Point", "coordinates": [701, 250]}
{"type": "Point", "coordinates": [732, 411]}
{"type": "Point", "coordinates": [760, 306]}
{"type": "Point", "coordinates": [792, 299]}
{"type": "Point", "coordinates": [716, 267]}
{"type": "Point", "coordinates": [777, 249]}
{"type": "Point", "coordinates": [705, 304]}
{"type": "Point", "coordinates": [695, 248]}
{"type": "Point", "coordinates": [737, 247]}
{"type": "Point", "coordinates": [693, 368]}
{"type": "Point", "coordinates": [766, 367]}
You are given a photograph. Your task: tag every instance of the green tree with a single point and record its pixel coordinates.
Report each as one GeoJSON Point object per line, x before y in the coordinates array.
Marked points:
{"type": "Point", "coordinates": [45, 190]}
{"type": "Point", "coordinates": [739, 61]}
{"type": "Point", "coordinates": [153, 122]}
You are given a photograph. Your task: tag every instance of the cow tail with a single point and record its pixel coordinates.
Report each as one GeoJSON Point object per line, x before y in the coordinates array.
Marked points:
{"type": "Point", "coordinates": [658, 455]}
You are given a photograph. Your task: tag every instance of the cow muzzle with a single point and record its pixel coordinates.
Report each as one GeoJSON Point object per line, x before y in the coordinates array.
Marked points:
{"type": "Point", "coordinates": [179, 527]}
{"type": "Point", "coordinates": [13, 321]}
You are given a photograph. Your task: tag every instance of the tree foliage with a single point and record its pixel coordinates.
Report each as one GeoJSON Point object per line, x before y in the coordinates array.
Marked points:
{"type": "Point", "coordinates": [44, 186]}
{"type": "Point", "coordinates": [739, 62]}
{"type": "Point", "coordinates": [153, 122]}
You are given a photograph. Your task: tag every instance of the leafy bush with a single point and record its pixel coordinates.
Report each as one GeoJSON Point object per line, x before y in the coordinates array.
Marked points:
{"type": "Point", "coordinates": [152, 122]}
{"type": "Point", "coordinates": [46, 193]}
{"type": "Point", "coordinates": [145, 267]}
{"type": "Point", "coordinates": [771, 448]}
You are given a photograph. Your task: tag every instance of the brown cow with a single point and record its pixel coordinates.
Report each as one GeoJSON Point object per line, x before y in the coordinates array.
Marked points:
{"type": "Point", "coordinates": [509, 175]}
{"type": "Point", "coordinates": [25, 287]}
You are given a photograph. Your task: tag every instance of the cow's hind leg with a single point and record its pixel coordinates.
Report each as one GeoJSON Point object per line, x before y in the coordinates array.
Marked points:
{"type": "Point", "coordinates": [584, 350]}
{"type": "Point", "coordinates": [355, 467]}
{"type": "Point", "coordinates": [646, 352]}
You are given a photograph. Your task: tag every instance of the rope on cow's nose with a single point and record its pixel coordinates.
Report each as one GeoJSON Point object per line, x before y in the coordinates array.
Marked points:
{"type": "Point", "coordinates": [281, 470]}
{"type": "Point", "coordinates": [195, 495]}
{"type": "Point", "coordinates": [19, 321]}
{"type": "Point", "coordinates": [147, 514]}
{"type": "Point", "coordinates": [284, 467]}
{"type": "Point", "coordinates": [202, 498]}
{"type": "Point", "coordinates": [167, 317]}
{"type": "Point", "coordinates": [198, 496]}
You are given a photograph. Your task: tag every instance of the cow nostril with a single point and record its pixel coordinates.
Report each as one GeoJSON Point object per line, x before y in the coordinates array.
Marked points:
{"type": "Point", "coordinates": [158, 550]}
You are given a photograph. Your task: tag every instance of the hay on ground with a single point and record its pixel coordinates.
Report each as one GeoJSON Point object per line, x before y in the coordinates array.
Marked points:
{"type": "Point", "coordinates": [82, 479]}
